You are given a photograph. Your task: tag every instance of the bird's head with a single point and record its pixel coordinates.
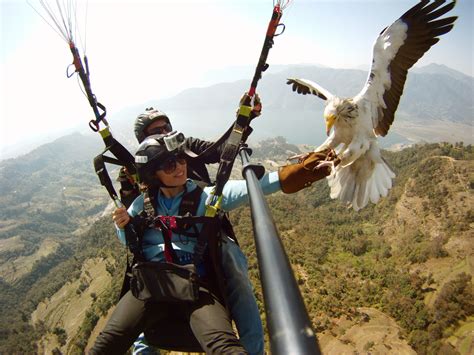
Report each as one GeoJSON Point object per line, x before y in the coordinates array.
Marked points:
{"type": "Point", "coordinates": [337, 110]}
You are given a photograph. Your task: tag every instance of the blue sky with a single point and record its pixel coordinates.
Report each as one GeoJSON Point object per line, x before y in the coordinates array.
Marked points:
{"type": "Point", "coordinates": [142, 50]}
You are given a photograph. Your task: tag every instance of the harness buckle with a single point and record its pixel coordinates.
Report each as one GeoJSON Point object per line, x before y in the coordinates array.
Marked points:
{"type": "Point", "coordinates": [168, 222]}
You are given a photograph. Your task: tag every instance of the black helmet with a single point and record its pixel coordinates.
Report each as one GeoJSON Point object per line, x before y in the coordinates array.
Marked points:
{"type": "Point", "coordinates": [145, 119]}
{"type": "Point", "coordinates": [155, 150]}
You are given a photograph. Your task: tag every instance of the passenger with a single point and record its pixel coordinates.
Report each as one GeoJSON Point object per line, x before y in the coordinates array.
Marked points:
{"type": "Point", "coordinates": [164, 171]}
{"type": "Point", "coordinates": [239, 291]}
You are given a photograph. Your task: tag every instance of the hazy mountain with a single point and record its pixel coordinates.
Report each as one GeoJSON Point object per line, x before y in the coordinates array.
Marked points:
{"type": "Point", "coordinates": [442, 69]}
{"type": "Point", "coordinates": [437, 105]}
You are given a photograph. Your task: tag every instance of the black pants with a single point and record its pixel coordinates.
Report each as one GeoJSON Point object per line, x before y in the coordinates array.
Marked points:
{"type": "Point", "coordinates": [207, 318]}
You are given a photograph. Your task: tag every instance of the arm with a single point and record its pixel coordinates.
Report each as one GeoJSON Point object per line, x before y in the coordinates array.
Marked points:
{"type": "Point", "coordinates": [289, 178]}
{"type": "Point", "coordinates": [235, 192]}
{"type": "Point", "coordinates": [197, 146]}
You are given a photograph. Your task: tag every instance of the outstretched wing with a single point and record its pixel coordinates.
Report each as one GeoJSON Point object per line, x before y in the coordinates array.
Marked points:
{"type": "Point", "coordinates": [396, 50]}
{"type": "Point", "coordinates": [304, 86]}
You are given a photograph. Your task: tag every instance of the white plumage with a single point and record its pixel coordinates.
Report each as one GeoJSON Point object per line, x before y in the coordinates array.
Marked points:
{"type": "Point", "coordinates": [363, 175]}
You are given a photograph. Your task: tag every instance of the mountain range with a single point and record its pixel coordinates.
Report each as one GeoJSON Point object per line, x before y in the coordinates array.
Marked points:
{"type": "Point", "coordinates": [437, 105]}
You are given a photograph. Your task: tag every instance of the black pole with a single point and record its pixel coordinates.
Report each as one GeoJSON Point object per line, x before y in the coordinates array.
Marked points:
{"type": "Point", "coordinates": [288, 324]}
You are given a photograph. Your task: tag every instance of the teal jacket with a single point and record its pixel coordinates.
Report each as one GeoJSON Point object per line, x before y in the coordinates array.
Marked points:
{"type": "Point", "coordinates": [234, 195]}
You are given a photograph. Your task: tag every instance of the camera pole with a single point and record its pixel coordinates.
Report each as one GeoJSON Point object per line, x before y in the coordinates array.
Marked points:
{"type": "Point", "coordinates": [288, 323]}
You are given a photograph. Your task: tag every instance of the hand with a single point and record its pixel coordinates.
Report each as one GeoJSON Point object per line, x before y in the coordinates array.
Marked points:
{"type": "Point", "coordinates": [121, 217]}
{"type": "Point", "coordinates": [256, 107]}
{"type": "Point", "coordinates": [256, 104]}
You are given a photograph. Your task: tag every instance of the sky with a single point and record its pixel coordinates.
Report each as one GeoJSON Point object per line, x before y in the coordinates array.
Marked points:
{"type": "Point", "coordinates": [140, 50]}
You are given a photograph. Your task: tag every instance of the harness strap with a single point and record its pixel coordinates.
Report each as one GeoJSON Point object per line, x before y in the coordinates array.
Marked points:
{"type": "Point", "coordinates": [122, 158]}
{"type": "Point", "coordinates": [179, 224]}
{"type": "Point", "coordinates": [149, 203]}
{"type": "Point", "coordinates": [168, 224]}
{"type": "Point", "coordinates": [133, 236]}
{"type": "Point", "coordinates": [118, 150]}
{"type": "Point", "coordinates": [101, 171]}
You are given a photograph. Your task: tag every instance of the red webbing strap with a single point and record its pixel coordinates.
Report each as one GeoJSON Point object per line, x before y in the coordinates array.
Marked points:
{"type": "Point", "coordinates": [168, 224]}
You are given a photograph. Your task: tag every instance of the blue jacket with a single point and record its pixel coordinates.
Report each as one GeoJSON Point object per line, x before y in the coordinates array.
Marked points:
{"type": "Point", "coordinates": [234, 195]}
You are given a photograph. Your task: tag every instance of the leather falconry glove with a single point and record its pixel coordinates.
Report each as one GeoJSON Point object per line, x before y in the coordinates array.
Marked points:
{"type": "Point", "coordinates": [315, 166]}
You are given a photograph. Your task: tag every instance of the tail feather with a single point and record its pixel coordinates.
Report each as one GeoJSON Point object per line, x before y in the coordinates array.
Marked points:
{"type": "Point", "coordinates": [359, 187]}
{"type": "Point", "coordinates": [348, 189]}
{"type": "Point", "coordinates": [337, 182]}
{"type": "Point", "coordinates": [374, 192]}
{"type": "Point", "coordinates": [363, 195]}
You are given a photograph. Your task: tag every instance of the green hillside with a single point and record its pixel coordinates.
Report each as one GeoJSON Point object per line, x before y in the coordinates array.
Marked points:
{"type": "Point", "coordinates": [410, 256]}
{"type": "Point", "coordinates": [392, 278]}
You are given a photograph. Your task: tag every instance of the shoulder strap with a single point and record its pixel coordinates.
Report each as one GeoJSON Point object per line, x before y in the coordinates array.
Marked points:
{"type": "Point", "coordinates": [190, 202]}
{"type": "Point", "coordinates": [149, 202]}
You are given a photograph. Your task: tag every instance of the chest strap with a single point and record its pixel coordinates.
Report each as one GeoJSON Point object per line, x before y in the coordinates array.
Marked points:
{"type": "Point", "coordinates": [168, 224]}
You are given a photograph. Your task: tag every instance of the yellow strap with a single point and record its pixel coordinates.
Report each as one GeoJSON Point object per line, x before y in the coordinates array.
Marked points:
{"type": "Point", "coordinates": [211, 211]}
{"type": "Point", "coordinates": [245, 110]}
{"type": "Point", "coordinates": [105, 132]}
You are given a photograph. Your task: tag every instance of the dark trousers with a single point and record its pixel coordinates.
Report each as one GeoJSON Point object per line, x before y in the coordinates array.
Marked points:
{"type": "Point", "coordinates": [208, 319]}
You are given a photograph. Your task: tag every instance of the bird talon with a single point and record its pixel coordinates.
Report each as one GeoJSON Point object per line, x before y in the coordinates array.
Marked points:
{"type": "Point", "coordinates": [299, 157]}
{"type": "Point", "coordinates": [326, 163]}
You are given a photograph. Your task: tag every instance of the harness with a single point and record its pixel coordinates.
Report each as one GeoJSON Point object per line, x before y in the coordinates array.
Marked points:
{"type": "Point", "coordinates": [206, 251]}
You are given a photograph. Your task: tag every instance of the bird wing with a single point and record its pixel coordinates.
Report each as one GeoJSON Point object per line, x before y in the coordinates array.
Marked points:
{"type": "Point", "coordinates": [304, 86]}
{"type": "Point", "coordinates": [396, 50]}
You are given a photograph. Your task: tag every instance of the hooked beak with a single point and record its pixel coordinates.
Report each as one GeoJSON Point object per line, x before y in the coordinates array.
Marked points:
{"type": "Point", "coordinates": [330, 119]}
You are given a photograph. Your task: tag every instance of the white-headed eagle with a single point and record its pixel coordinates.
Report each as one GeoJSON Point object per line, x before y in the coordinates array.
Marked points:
{"type": "Point", "coordinates": [363, 174]}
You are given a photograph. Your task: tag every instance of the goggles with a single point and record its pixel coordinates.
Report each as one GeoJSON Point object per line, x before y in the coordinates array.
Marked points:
{"type": "Point", "coordinates": [159, 130]}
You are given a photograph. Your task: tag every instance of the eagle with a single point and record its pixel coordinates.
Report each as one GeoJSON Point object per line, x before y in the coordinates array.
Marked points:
{"type": "Point", "coordinates": [356, 122]}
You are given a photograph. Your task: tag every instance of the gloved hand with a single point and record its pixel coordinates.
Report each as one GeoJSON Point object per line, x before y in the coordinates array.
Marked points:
{"type": "Point", "coordinates": [256, 105]}
{"type": "Point", "coordinates": [315, 166]}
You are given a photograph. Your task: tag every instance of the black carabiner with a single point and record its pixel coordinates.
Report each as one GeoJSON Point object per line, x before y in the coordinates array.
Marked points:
{"type": "Point", "coordinates": [94, 125]}
{"type": "Point", "coordinates": [282, 25]}
{"type": "Point", "coordinates": [67, 71]}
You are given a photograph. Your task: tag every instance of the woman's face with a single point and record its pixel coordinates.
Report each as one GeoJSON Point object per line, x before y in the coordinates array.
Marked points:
{"type": "Point", "coordinates": [173, 173]}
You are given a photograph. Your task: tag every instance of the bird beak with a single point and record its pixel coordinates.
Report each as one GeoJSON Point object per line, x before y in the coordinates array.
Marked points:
{"type": "Point", "coordinates": [330, 119]}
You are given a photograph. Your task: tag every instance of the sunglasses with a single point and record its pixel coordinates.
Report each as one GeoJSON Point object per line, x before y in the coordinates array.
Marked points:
{"type": "Point", "coordinates": [159, 130]}
{"type": "Point", "coordinates": [169, 166]}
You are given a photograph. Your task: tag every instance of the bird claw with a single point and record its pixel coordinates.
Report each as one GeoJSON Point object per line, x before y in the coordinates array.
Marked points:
{"type": "Point", "coordinates": [326, 163]}
{"type": "Point", "coordinates": [299, 157]}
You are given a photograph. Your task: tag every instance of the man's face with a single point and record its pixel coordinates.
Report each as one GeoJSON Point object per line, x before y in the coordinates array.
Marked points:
{"type": "Point", "coordinates": [160, 126]}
